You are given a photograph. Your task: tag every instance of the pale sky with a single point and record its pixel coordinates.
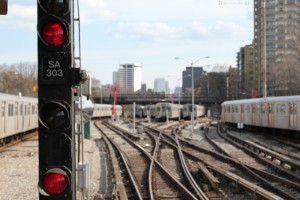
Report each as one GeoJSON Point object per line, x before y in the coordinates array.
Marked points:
{"type": "Point", "coordinates": [151, 32]}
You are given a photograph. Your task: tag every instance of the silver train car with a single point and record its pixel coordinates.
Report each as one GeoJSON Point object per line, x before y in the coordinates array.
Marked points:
{"type": "Point", "coordinates": [199, 111]}
{"type": "Point", "coordinates": [170, 110]}
{"type": "Point", "coordinates": [150, 110]}
{"type": "Point", "coordinates": [271, 112]}
{"type": "Point", "coordinates": [141, 111]}
{"type": "Point", "coordinates": [102, 110]}
{"type": "Point", "coordinates": [105, 110]}
{"type": "Point", "coordinates": [18, 115]}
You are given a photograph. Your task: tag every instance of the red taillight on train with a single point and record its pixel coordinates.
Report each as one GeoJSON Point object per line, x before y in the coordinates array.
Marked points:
{"type": "Point", "coordinates": [53, 34]}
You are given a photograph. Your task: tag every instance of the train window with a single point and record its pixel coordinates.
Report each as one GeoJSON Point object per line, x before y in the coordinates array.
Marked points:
{"type": "Point", "coordinates": [10, 110]}
{"type": "Point", "coordinates": [281, 108]}
{"type": "Point", "coordinates": [21, 109]}
{"type": "Point", "coordinates": [236, 109]}
{"type": "Point", "coordinates": [232, 109]}
{"type": "Point", "coordinates": [32, 109]}
{"type": "Point", "coordinates": [247, 109]}
{"type": "Point", "coordinates": [253, 109]}
{"type": "Point", "coordinates": [28, 111]}
{"type": "Point", "coordinates": [228, 109]}
{"type": "Point", "coordinates": [25, 108]}
{"type": "Point", "coordinates": [263, 108]}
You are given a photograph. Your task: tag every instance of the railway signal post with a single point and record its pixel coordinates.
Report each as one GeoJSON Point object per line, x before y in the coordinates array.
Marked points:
{"type": "Point", "coordinates": [3, 7]}
{"type": "Point", "coordinates": [56, 78]}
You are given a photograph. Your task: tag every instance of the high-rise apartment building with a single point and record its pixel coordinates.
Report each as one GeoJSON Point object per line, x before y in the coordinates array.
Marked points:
{"type": "Point", "coordinates": [130, 77]}
{"type": "Point", "coordinates": [276, 46]}
{"type": "Point", "coordinates": [246, 70]}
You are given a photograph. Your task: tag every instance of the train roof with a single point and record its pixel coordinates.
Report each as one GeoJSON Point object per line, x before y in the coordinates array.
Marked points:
{"type": "Point", "coordinates": [261, 100]}
{"type": "Point", "coordinates": [105, 105]}
{"type": "Point", "coordinates": [5, 96]}
{"type": "Point", "coordinates": [196, 105]}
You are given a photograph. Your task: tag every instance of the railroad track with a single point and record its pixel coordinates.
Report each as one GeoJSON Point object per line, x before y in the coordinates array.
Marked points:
{"type": "Point", "coordinates": [272, 176]}
{"type": "Point", "coordinates": [133, 178]}
{"type": "Point", "coordinates": [206, 167]}
{"type": "Point", "coordinates": [173, 160]}
{"type": "Point", "coordinates": [13, 140]}
{"type": "Point", "coordinates": [156, 173]}
{"type": "Point", "coordinates": [210, 164]}
{"type": "Point", "coordinates": [285, 164]}
{"type": "Point", "coordinates": [288, 149]}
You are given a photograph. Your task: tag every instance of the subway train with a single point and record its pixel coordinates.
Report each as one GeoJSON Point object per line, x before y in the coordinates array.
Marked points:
{"type": "Point", "coordinates": [150, 110]}
{"type": "Point", "coordinates": [167, 110]}
{"type": "Point", "coordinates": [18, 115]}
{"type": "Point", "coordinates": [98, 110]}
{"type": "Point", "coordinates": [199, 111]}
{"type": "Point", "coordinates": [276, 113]}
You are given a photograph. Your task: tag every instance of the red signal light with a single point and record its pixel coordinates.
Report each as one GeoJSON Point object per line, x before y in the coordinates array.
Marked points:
{"type": "Point", "coordinates": [53, 34]}
{"type": "Point", "coordinates": [55, 183]}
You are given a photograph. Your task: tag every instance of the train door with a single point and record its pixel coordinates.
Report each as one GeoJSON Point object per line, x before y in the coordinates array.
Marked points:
{"type": "Point", "coordinates": [293, 114]}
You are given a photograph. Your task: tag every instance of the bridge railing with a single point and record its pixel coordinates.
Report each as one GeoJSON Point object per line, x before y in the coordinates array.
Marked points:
{"type": "Point", "coordinates": [152, 99]}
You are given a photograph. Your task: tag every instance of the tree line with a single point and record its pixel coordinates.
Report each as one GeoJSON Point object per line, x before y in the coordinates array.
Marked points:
{"type": "Point", "coordinates": [20, 78]}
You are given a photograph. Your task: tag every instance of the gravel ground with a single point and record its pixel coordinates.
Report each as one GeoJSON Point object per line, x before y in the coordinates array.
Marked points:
{"type": "Point", "coordinates": [19, 170]}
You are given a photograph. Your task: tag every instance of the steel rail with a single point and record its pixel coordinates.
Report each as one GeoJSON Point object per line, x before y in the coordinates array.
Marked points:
{"type": "Point", "coordinates": [249, 150]}
{"type": "Point", "coordinates": [136, 188]}
{"type": "Point", "coordinates": [258, 190]}
{"type": "Point", "coordinates": [262, 175]}
{"type": "Point", "coordinates": [180, 185]}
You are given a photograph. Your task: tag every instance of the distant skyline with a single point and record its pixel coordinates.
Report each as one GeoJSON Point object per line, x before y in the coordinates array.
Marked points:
{"type": "Point", "coordinates": [148, 32]}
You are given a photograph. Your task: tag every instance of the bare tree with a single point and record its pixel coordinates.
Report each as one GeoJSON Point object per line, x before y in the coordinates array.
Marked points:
{"type": "Point", "coordinates": [19, 78]}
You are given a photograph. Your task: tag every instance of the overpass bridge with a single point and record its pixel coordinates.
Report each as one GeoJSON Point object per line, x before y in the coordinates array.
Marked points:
{"type": "Point", "coordinates": [145, 98]}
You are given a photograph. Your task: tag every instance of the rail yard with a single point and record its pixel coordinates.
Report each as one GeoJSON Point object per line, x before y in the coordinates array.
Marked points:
{"type": "Point", "coordinates": [163, 160]}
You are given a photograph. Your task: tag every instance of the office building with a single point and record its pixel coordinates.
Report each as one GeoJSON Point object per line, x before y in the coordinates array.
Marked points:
{"type": "Point", "coordinates": [130, 77]}
{"type": "Point", "coordinates": [187, 77]}
{"type": "Point", "coordinates": [161, 85]}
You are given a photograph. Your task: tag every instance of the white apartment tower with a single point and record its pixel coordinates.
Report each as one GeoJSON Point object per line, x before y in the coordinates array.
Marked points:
{"type": "Point", "coordinates": [130, 77]}
{"type": "Point", "coordinates": [276, 47]}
